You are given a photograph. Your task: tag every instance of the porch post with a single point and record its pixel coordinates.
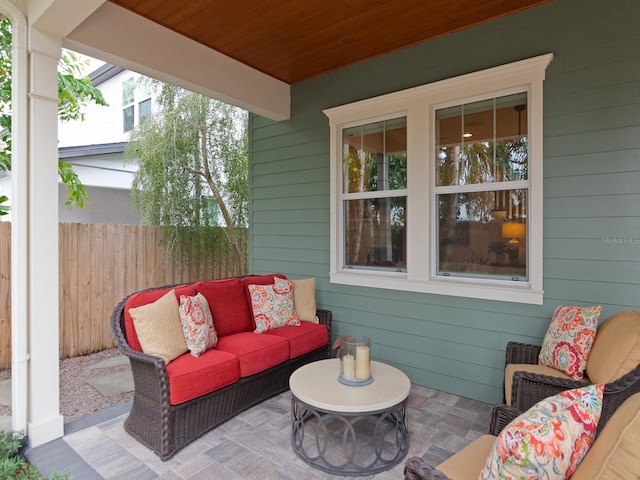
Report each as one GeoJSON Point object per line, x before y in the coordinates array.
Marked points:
{"type": "Point", "coordinates": [44, 420]}
{"type": "Point", "coordinates": [19, 129]}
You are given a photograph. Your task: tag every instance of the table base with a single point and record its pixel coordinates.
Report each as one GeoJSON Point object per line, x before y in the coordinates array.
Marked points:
{"type": "Point", "coordinates": [349, 443]}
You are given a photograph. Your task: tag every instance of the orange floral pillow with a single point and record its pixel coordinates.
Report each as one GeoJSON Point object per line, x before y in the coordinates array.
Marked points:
{"type": "Point", "coordinates": [569, 338]}
{"type": "Point", "coordinates": [549, 440]}
{"type": "Point", "coordinates": [197, 324]}
{"type": "Point", "coordinates": [273, 305]}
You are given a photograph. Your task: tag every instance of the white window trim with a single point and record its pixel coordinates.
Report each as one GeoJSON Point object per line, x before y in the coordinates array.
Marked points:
{"type": "Point", "coordinates": [418, 105]}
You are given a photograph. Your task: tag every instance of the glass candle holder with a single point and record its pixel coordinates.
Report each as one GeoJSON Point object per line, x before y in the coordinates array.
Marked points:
{"type": "Point", "coordinates": [355, 360]}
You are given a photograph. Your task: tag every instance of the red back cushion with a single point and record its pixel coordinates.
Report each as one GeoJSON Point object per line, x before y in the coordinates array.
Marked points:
{"type": "Point", "coordinates": [228, 305]}
{"type": "Point", "coordinates": [143, 298]}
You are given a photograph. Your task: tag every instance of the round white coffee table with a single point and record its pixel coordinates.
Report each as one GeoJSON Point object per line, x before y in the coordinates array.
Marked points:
{"type": "Point", "coordinates": [349, 430]}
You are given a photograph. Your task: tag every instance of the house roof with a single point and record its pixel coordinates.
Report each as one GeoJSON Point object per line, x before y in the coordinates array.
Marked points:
{"type": "Point", "coordinates": [294, 40]}
{"type": "Point", "coordinates": [90, 150]}
{"type": "Point", "coordinates": [104, 73]}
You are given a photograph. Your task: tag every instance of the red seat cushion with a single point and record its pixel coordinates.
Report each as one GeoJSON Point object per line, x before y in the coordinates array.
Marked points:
{"type": "Point", "coordinates": [143, 298]}
{"type": "Point", "coordinates": [304, 338]}
{"type": "Point", "coordinates": [191, 377]}
{"type": "Point", "coordinates": [256, 352]}
{"type": "Point", "coordinates": [228, 304]}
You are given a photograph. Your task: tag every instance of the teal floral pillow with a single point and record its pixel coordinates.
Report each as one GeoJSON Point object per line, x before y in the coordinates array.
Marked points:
{"type": "Point", "coordinates": [549, 440]}
{"type": "Point", "coordinates": [273, 305]}
{"type": "Point", "coordinates": [197, 324]}
{"type": "Point", "coordinates": [569, 338]}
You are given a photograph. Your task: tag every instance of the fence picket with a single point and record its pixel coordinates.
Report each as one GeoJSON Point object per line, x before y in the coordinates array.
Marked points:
{"type": "Point", "coordinates": [99, 265]}
{"type": "Point", "coordinates": [5, 293]}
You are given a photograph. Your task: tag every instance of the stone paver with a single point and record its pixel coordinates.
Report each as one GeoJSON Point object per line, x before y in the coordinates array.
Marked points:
{"type": "Point", "coordinates": [113, 383]}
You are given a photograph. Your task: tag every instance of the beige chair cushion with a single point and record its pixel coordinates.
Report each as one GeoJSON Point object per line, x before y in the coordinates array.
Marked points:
{"type": "Point", "coordinates": [468, 462]}
{"type": "Point", "coordinates": [159, 328]}
{"type": "Point", "coordinates": [615, 454]}
{"type": "Point", "coordinates": [531, 368]}
{"type": "Point", "coordinates": [616, 350]}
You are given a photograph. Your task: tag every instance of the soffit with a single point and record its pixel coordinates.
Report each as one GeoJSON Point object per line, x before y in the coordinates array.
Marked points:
{"type": "Point", "coordinates": [294, 40]}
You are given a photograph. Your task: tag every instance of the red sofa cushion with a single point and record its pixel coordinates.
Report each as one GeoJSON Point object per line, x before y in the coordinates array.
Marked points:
{"type": "Point", "coordinates": [142, 298]}
{"type": "Point", "coordinates": [228, 304]}
{"type": "Point", "coordinates": [191, 377]}
{"type": "Point", "coordinates": [256, 352]}
{"type": "Point", "coordinates": [304, 338]}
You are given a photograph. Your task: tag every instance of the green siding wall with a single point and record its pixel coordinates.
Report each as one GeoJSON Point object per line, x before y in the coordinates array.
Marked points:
{"type": "Point", "coordinates": [591, 190]}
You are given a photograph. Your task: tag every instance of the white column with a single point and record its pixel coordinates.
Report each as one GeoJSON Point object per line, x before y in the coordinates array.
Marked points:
{"type": "Point", "coordinates": [19, 242]}
{"type": "Point", "coordinates": [44, 420]}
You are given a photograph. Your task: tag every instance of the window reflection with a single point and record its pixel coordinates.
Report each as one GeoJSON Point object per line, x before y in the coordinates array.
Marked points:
{"type": "Point", "coordinates": [374, 189]}
{"type": "Point", "coordinates": [483, 233]}
{"type": "Point", "coordinates": [482, 146]}
{"type": "Point", "coordinates": [376, 232]}
{"type": "Point", "coordinates": [482, 142]}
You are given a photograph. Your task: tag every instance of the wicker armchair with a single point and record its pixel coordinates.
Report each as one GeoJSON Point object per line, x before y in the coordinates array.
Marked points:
{"type": "Point", "coordinates": [417, 469]}
{"type": "Point", "coordinates": [614, 360]}
{"type": "Point", "coordinates": [612, 455]}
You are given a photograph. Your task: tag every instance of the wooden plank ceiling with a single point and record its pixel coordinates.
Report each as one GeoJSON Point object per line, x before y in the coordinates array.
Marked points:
{"type": "Point", "coordinates": [293, 40]}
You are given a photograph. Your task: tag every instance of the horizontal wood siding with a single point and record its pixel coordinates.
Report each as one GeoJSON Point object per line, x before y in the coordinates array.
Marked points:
{"type": "Point", "coordinates": [591, 190]}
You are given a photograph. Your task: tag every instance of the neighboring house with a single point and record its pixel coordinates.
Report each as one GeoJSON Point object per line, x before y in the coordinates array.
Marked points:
{"type": "Point", "coordinates": [447, 329]}
{"type": "Point", "coordinates": [95, 147]}
{"type": "Point", "coordinates": [129, 100]}
{"type": "Point", "coordinates": [107, 179]}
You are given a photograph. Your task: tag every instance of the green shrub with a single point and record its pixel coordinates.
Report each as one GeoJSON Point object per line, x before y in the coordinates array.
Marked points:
{"type": "Point", "coordinates": [13, 465]}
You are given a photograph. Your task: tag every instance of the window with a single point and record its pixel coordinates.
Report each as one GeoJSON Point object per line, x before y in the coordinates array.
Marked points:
{"type": "Point", "coordinates": [481, 188]}
{"type": "Point", "coordinates": [438, 189]}
{"type": "Point", "coordinates": [144, 109]}
{"type": "Point", "coordinates": [374, 197]}
{"type": "Point", "coordinates": [130, 94]}
{"type": "Point", "coordinates": [210, 212]}
{"type": "Point", "coordinates": [128, 88]}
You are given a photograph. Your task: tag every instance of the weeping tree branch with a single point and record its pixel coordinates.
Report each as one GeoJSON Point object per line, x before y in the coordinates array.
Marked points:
{"type": "Point", "coordinates": [230, 229]}
{"type": "Point", "coordinates": [191, 151]}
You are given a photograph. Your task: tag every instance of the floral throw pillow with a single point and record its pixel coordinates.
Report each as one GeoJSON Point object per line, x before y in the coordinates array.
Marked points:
{"type": "Point", "coordinates": [273, 305]}
{"type": "Point", "coordinates": [569, 338]}
{"type": "Point", "coordinates": [549, 440]}
{"type": "Point", "coordinates": [197, 324]}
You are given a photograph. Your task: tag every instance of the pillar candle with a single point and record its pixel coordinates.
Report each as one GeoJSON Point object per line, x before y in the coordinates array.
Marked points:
{"type": "Point", "coordinates": [348, 367]}
{"type": "Point", "coordinates": [362, 363]}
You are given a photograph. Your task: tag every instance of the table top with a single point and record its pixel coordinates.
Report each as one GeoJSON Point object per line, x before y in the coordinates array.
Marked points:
{"type": "Point", "coordinates": [317, 385]}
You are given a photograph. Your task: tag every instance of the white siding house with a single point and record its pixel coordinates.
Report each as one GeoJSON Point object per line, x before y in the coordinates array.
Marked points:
{"type": "Point", "coordinates": [95, 147]}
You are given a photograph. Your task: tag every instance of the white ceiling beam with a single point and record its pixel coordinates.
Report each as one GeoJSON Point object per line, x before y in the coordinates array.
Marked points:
{"type": "Point", "coordinates": [120, 37]}
{"type": "Point", "coordinates": [59, 17]}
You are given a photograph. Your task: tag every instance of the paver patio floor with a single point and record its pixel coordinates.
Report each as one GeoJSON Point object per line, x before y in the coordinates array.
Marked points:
{"type": "Point", "coordinates": [255, 444]}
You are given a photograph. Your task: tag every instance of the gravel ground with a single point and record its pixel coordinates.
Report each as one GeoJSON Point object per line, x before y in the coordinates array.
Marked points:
{"type": "Point", "coordinates": [78, 398]}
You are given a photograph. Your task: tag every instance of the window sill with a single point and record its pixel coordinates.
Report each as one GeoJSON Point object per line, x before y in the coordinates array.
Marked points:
{"type": "Point", "coordinates": [457, 287]}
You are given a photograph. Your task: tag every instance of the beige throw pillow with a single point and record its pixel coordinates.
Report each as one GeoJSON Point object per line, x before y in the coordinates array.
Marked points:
{"type": "Point", "coordinates": [159, 328]}
{"type": "Point", "coordinates": [304, 299]}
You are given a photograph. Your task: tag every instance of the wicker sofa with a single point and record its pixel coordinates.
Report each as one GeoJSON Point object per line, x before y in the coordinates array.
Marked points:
{"type": "Point", "coordinates": [176, 402]}
{"type": "Point", "coordinates": [613, 455]}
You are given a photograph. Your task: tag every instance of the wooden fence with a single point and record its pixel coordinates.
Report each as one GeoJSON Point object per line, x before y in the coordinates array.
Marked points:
{"type": "Point", "coordinates": [99, 265]}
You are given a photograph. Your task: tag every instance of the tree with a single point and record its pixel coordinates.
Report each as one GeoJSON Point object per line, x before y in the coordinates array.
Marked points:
{"type": "Point", "coordinates": [192, 164]}
{"type": "Point", "coordinates": [74, 93]}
